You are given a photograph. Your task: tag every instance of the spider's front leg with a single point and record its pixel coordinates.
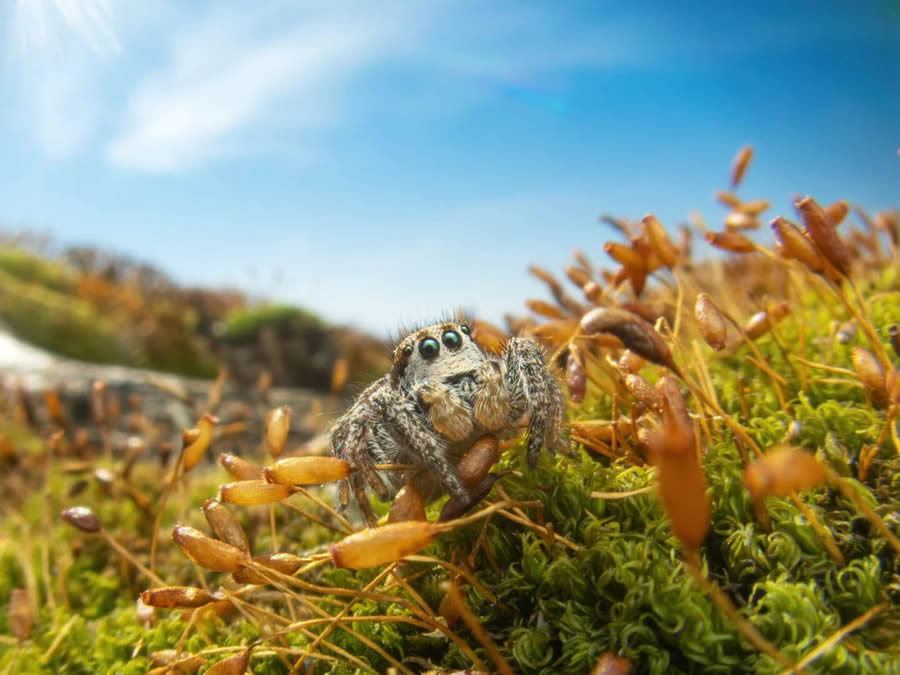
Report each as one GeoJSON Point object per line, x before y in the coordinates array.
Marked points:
{"type": "Point", "coordinates": [491, 400]}
{"type": "Point", "coordinates": [533, 390]}
{"type": "Point", "coordinates": [351, 440]}
{"type": "Point", "coordinates": [448, 413]}
{"type": "Point", "coordinates": [431, 449]}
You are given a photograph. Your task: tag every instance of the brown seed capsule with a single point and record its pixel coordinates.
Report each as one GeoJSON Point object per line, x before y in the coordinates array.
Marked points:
{"type": "Point", "coordinates": [306, 470]}
{"type": "Point", "coordinates": [731, 241]}
{"type": "Point", "coordinates": [635, 333]}
{"type": "Point", "coordinates": [277, 425]}
{"type": "Point", "coordinates": [738, 220]}
{"type": "Point", "coordinates": [846, 332]}
{"type": "Point", "coordinates": [77, 488]}
{"type": "Point", "coordinates": [638, 387]}
{"type": "Point", "coordinates": [836, 212]}
{"type": "Point", "coordinates": [285, 563]}
{"type": "Point", "coordinates": [753, 208]}
{"type": "Point", "coordinates": [555, 333]}
{"type": "Point", "coordinates": [231, 665]}
{"type": "Point", "coordinates": [630, 362]}
{"type": "Point", "coordinates": [196, 447]}
{"type": "Point", "coordinates": [759, 323]}
{"type": "Point", "coordinates": [408, 504]}
{"type": "Point", "coordinates": [240, 469]}
{"type": "Point", "coordinates": [449, 610]}
{"type": "Point", "coordinates": [610, 664]}
{"type": "Point", "coordinates": [592, 291]}
{"type": "Point", "coordinates": [51, 400]}
{"type": "Point", "coordinates": [583, 260]}
{"type": "Point", "coordinates": [339, 373]}
{"type": "Point", "coordinates": [82, 518]}
{"type": "Point", "coordinates": [796, 246]}
{"type": "Point", "coordinates": [253, 492]}
{"type": "Point", "coordinates": [98, 402]}
{"type": "Point", "coordinates": [225, 525]}
{"type": "Point", "coordinates": [825, 237]}
{"type": "Point", "coordinates": [207, 552]}
{"type": "Point", "coordinates": [264, 385]}
{"type": "Point", "coordinates": [624, 255]}
{"type": "Point", "coordinates": [729, 199]}
{"type": "Point", "coordinates": [682, 483]}
{"type": "Point", "coordinates": [488, 336]}
{"type": "Point", "coordinates": [870, 373]}
{"type": "Point", "coordinates": [547, 278]}
{"type": "Point", "coordinates": [544, 309]}
{"type": "Point", "coordinates": [7, 449]}
{"type": "Point", "coordinates": [893, 332]}
{"type": "Point", "coordinates": [781, 471]}
{"type": "Point", "coordinates": [638, 278]}
{"type": "Point", "coordinates": [672, 401]}
{"type": "Point", "coordinates": [20, 618]}
{"type": "Point", "coordinates": [576, 381]}
{"type": "Point", "coordinates": [176, 597]}
{"type": "Point", "coordinates": [578, 275]}
{"type": "Point", "coordinates": [478, 460]}
{"type": "Point", "coordinates": [740, 164]}
{"type": "Point", "coordinates": [710, 321]}
{"type": "Point", "coordinates": [892, 385]}
{"type": "Point", "coordinates": [381, 545]}
{"type": "Point", "coordinates": [889, 223]}
{"type": "Point", "coordinates": [659, 240]}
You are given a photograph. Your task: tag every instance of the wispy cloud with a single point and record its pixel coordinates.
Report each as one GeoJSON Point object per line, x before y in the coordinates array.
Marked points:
{"type": "Point", "coordinates": [57, 49]}
{"type": "Point", "coordinates": [231, 70]}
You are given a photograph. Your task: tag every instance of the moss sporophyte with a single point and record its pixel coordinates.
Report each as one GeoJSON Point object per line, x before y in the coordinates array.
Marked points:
{"type": "Point", "coordinates": [726, 501]}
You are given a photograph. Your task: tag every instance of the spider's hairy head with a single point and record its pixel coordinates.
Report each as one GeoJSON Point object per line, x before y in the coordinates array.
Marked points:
{"type": "Point", "coordinates": [439, 349]}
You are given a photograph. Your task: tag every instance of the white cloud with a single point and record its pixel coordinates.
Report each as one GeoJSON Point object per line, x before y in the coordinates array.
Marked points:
{"type": "Point", "coordinates": [186, 84]}
{"type": "Point", "coordinates": [225, 76]}
{"type": "Point", "coordinates": [57, 49]}
{"type": "Point", "coordinates": [232, 72]}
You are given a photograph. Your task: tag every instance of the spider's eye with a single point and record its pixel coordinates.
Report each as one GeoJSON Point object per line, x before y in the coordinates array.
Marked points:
{"type": "Point", "coordinates": [429, 348]}
{"type": "Point", "coordinates": [451, 339]}
{"type": "Point", "coordinates": [465, 329]}
{"type": "Point", "coordinates": [407, 350]}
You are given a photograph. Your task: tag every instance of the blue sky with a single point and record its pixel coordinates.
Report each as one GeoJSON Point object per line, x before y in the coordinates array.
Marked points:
{"type": "Point", "coordinates": [383, 162]}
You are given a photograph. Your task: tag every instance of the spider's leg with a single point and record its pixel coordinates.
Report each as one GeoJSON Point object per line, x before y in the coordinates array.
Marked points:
{"type": "Point", "coordinates": [448, 412]}
{"type": "Point", "coordinates": [491, 401]}
{"type": "Point", "coordinates": [350, 441]}
{"type": "Point", "coordinates": [406, 422]}
{"type": "Point", "coordinates": [533, 391]}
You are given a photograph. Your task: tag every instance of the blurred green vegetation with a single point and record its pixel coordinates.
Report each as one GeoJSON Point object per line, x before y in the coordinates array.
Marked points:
{"type": "Point", "coordinates": [244, 323]}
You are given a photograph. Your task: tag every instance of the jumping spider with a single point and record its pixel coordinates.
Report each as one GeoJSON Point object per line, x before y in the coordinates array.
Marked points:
{"type": "Point", "coordinates": [443, 392]}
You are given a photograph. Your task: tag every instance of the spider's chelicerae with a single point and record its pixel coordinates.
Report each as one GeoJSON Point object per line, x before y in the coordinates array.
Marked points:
{"type": "Point", "coordinates": [443, 392]}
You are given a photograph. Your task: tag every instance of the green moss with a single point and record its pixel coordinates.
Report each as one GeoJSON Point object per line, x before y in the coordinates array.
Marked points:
{"type": "Point", "coordinates": [245, 324]}
{"type": "Point", "coordinates": [619, 586]}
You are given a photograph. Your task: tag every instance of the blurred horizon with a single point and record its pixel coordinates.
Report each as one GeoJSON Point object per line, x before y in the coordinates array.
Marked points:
{"type": "Point", "coordinates": [382, 165]}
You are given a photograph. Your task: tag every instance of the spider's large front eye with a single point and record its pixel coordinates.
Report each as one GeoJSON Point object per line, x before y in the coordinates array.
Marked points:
{"type": "Point", "coordinates": [451, 339]}
{"type": "Point", "coordinates": [429, 348]}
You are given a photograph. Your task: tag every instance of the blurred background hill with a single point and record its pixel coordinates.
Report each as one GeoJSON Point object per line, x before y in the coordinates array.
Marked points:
{"type": "Point", "coordinates": [96, 306]}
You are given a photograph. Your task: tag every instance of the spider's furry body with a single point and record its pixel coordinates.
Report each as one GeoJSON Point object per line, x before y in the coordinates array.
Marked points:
{"type": "Point", "coordinates": [443, 392]}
